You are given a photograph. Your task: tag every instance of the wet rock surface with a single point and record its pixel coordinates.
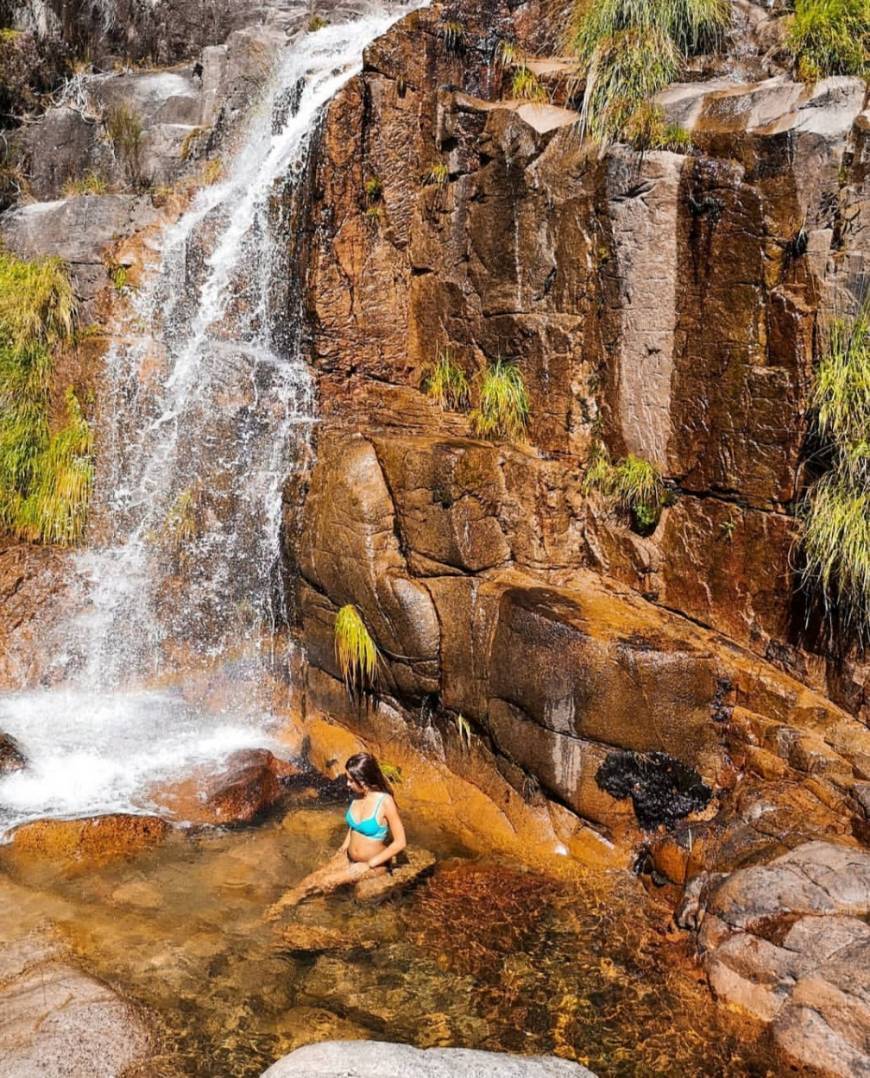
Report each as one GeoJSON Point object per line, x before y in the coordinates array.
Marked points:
{"type": "Point", "coordinates": [409, 869]}
{"type": "Point", "coordinates": [372, 1059]}
{"type": "Point", "coordinates": [789, 943]}
{"type": "Point", "coordinates": [247, 785]}
{"type": "Point", "coordinates": [59, 1022]}
{"type": "Point", "coordinates": [11, 756]}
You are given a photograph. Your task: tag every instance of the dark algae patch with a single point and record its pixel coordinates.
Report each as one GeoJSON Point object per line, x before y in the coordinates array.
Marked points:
{"type": "Point", "coordinates": [662, 789]}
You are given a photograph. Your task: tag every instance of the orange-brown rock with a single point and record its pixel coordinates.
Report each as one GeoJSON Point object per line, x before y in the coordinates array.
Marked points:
{"type": "Point", "coordinates": [247, 785]}
{"type": "Point", "coordinates": [11, 756]}
{"type": "Point", "coordinates": [74, 847]}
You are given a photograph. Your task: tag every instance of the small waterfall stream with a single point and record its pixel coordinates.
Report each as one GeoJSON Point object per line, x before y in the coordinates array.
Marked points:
{"type": "Point", "coordinates": [209, 409]}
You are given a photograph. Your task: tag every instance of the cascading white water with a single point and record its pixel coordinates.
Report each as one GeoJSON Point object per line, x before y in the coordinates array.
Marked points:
{"type": "Point", "coordinates": [209, 409]}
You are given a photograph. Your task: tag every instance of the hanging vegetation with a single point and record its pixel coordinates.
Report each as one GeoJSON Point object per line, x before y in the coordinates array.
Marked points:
{"type": "Point", "coordinates": [835, 539]}
{"type": "Point", "coordinates": [355, 651]}
{"type": "Point", "coordinates": [635, 485]}
{"type": "Point", "coordinates": [45, 476]}
{"type": "Point", "coordinates": [630, 50]}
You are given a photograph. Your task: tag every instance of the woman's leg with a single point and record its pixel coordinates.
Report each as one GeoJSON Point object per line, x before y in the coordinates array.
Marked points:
{"type": "Point", "coordinates": [337, 872]}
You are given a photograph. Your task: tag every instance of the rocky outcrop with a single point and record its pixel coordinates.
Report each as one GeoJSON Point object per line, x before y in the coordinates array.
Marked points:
{"type": "Point", "coordinates": [58, 1021]}
{"type": "Point", "coordinates": [788, 942]}
{"type": "Point", "coordinates": [375, 1059]}
{"type": "Point", "coordinates": [246, 786]}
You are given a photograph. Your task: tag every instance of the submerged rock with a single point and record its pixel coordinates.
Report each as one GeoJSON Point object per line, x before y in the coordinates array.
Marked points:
{"type": "Point", "coordinates": [378, 1059]}
{"type": "Point", "coordinates": [58, 1022]}
{"type": "Point", "coordinates": [11, 756]}
{"type": "Point", "coordinates": [417, 862]}
{"type": "Point", "coordinates": [788, 942]}
{"type": "Point", "coordinates": [318, 939]}
{"type": "Point", "coordinates": [74, 847]}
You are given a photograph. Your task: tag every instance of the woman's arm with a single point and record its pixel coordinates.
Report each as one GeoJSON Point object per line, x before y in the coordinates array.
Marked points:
{"type": "Point", "coordinates": [343, 847]}
{"type": "Point", "coordinates": [391, 815]}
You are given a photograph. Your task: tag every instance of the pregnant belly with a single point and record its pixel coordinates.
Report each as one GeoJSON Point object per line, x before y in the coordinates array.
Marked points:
{"type": "Point", "coordinates": [362, 848]}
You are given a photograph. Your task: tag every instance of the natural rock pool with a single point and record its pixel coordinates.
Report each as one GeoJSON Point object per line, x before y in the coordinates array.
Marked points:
{"type": "Point", "coordinates": [482, 954]}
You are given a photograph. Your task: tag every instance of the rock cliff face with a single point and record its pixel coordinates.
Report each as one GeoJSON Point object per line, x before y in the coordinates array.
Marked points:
{"type": "Point", "coordinates": [659, 303]}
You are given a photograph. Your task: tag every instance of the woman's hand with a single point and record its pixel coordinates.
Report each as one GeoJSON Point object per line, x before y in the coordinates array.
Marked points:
{"type": "Point", "coordinates": [357, 869]}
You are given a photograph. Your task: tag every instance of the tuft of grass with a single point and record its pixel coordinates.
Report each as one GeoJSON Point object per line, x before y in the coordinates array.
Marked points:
{"type": "Point", "coordinates": [124, 130]}
{"type": "Point", "coordinates": [447, 384]}
{"type": "Point", "coordinates": [452, 33]}
{"type": "Point", "coordinates": [527, 86]}
{"type": "Point", "coordinates": [463, 729]}
{"type": "Point", "coordinates": [508, 53]}
{"type": "Point", "coordinates": [830, 37]}
{"type": "Point", "coordinates": [316, 22]}
{"type": "Point", "coordinates": [45, 476]}
{"type": "Point", "coordinates": [374, 189]}
{"type": "Point", "coordinates": [503, 407]}
{"type": "Point", "coordinates": [89, 184]}
{"type": "Point", "coordinates": [835, 514]}
{"type": "Point", "coordinates": [355, 651]}
{"type": "Point", "coordinates": [647, 129]}
{"type": "Point", "coordinates": [190, 143]}
{"type": "Point", "coordinates": [633, 484]}
{"type": "Point", "coordinates": [118, 275]}
{"type": "Point", "coordinates": [438, 174]}
{"type": "Point", "coordinates": [630, 50]}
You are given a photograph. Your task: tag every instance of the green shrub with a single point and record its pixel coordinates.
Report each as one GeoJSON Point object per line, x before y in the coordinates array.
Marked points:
{"type": "Point", "coordinates": [830, 37]}
{"type": "Point", "coordinates": [629, 50]}
{"type": "Point", "coordinates": [503, 407]}
{"type": "Point", "coordinates": [527, 86]}
{"type": "Point", "coordinates": [447, 384]}
{"type": "Point", "coordinates": [633, 484]}
{"type": "Point", "coordinates": [355, 652]}
{"type": "Point", "coordinates": [317, 22]}
{"type": "Point", "coordinates": [45, 476]}
{"type": "Point", "coordinates": [374, 189]}
{"type": "Point", "coordinates": [835, 514]}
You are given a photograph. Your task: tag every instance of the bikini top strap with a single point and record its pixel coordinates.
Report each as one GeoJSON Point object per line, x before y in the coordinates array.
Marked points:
{"type": "Point", "coordinates": [381, 800]}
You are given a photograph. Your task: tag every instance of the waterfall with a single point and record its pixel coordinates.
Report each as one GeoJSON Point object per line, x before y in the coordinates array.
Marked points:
{"type": "Point", "coordinates": [209, 408]}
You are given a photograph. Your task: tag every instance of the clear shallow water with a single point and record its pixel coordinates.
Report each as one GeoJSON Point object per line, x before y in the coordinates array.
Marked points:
{"type": "Point", "coordinates": [482, 955]}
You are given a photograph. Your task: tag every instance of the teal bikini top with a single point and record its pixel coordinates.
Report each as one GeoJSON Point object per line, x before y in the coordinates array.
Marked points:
{"type": "Point", "coordinates": [369, 826]}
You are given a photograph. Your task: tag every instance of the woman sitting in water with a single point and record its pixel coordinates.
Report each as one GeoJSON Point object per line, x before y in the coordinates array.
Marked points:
{"type": "Point", "coordinates": [371, 816]}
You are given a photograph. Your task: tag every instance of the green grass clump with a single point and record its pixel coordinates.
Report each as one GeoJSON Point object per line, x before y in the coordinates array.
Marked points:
{"type": "Point", "coordinates": [633, 484]}
{"type": "Point", "coordinates": [647, 129]}
{"type": "Point", "coordinates": [438, 174]}
{"type": "Point", "coordinates": [355, 651]}
{"type": "Point", "coordinates": [447, 384]}
{"type": "Point", "coordinates": [527, 86]}
{"type": "Point", "coordinates": [45, 476]}
{"type": "Point", "coordinates": [830, 37]}
{"type": "Point", "coordinates": [374, 189]}
{"type": "Point", "coordinates": [89, 184]}
{"type": "Point", "coordinates": [835, 514]}
{"type": "Point", "coordinates": [630, 50]}
{"type": "Point", "coordinates": [508, 53]}
{"type": "Point", "coordinates": [124, 129]}
{"type": "Point", "coordinates": [317, 22]}
{"type": "Point", "coordinates": [503, 408]}
{"type": "Point", "coordinates": [453, 36]}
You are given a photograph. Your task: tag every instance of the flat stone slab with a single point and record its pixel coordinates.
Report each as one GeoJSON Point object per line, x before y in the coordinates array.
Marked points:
{"type": "Point", "coordinates": [379, 1059]}
{"type": "Point", "coordinates": [376, 888]}
{"type": "Point", "coordinates": [318, 939]}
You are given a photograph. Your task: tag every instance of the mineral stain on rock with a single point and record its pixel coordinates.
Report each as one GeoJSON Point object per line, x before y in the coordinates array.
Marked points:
{"type": "Point", "coordinates": [662, 789]}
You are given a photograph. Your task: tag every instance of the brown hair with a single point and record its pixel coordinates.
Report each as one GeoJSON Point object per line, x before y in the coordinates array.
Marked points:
{"type": "Point", "coordinates": [365, 769]}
